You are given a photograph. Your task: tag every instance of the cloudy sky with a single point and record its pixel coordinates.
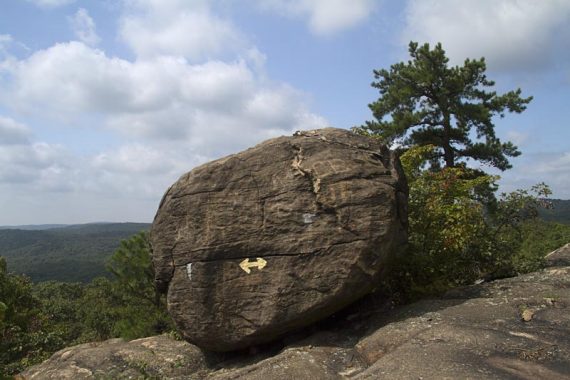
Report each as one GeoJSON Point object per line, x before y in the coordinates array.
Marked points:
{"type": "Point", "coordinates": [104, 104]}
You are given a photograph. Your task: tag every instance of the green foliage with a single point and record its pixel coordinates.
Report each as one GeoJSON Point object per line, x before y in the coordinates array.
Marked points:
{"type": "Point", "coordinates": [72, 254]}
{"type": "Point", "coordinates": [426, 102]}
{"type": "Point", "coordinates": [36, 321]}
{"type": "Point", "coordinates": [540, 238]}
{"type": "Point", "coordinates": [127, 305]}
{"type": "Point", "coordinates": [520, 205]}
{"type": "Point", "coordinates": [60, 312]}
{"type": "Point", "coordinates": [447, 225]}
{"type": "Point", "coordinates": [558, 212]}
{"type": "Point", "coordinates": [132, 268]}
{"type": "Point", "coordinates": [455, 239]}
{"type": "Point", "coordinates": [141, 310]}
{"type": "Point", "coordinates": [19, 314]}
{"type": "Point", "coordinates": [509, 222]}
{"type": "Point", "coordinates": [440, 117]}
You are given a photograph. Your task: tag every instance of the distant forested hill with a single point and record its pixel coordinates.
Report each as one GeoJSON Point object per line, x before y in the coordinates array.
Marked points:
{"type": "Point", "coordinates": [75, 253]}
{"type": "Point", "coordinates": [559, 213]}
{"type": "Point", "coordinates": [34, 227]}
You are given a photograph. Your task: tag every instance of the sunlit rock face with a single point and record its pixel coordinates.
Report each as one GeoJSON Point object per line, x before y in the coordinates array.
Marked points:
{"type": "Point", "coordinates": [271, 239]}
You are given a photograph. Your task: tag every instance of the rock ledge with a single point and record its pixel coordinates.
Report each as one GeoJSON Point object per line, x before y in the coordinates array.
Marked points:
{"type": "Point", "coordinates": [515, 328]}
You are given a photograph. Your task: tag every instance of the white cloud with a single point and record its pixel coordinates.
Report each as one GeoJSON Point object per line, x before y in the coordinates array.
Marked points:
{"type": "Point", "coordinates": [8, 44]}
{"type": "Point", "coordinates": [84, 27]}
{"type": "Point", "coordinates": [51, 3]}
{"type": "Point", "coordinates": [12, 132]}
{"type": "Point", "coordinates": [175, 107]}
{"type": "Point", "coordinates": [213, 106]}
{"type": "Point", "coordinates": [557, 163]}
{"type": "Point", "coordinates": [139, 170]}
{"type": "Point", "coordinates": [176, 115]}
{"type": "Point", "coordinates": [133, 170]}
{"type": "Point", "coordinates": [518, 138]}
{"type": "Point", "coordinates": [324, 17]}
{"type": "Point", "coordinates": [131, 159]}
{"type": "Point", "coordinates": [530, 169]}
{"type": "Point", "coordinates": [510, 34]}
{"type": "Point", "coordinates": [23, 162]}
{"type": "Point", "coordinates": [66, 78]}
{"type": "Point", "coordinates": [180, 28]}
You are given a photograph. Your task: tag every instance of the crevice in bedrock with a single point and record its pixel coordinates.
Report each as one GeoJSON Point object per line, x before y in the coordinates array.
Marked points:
{"type": "Point", "coordinates": [315, 181]}
{"type": "Point", "coordinates": [299, 169]}
{"type": "Point", "coordinates": [297, 160]}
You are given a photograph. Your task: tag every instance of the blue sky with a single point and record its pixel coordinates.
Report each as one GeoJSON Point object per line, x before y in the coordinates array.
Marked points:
{"type": "Point", "coordinates": [104, 104]}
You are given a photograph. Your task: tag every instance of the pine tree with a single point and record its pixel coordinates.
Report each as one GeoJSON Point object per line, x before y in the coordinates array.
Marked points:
{"type": "Point", "coordinates": [426, 102]}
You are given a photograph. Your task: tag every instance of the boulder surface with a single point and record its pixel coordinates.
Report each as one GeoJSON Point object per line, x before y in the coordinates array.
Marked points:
{"type": "Point", "coordinates": [271, 239]}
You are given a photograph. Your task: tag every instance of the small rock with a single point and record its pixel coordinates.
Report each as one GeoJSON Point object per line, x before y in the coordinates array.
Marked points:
{"type": "Point", "coordinates": [527, 315]}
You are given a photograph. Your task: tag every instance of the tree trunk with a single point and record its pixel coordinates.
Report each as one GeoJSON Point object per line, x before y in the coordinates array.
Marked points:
{"type": "Point", "coordinates": [448, 154]}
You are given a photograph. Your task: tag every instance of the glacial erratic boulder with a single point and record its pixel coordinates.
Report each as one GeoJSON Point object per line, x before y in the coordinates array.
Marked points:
{"type": "Point", "coordinates": [271, 239]}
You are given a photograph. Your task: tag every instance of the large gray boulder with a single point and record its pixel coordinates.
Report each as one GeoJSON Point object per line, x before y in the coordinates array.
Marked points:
{"type": "Point", "coordinates": [271, 239]}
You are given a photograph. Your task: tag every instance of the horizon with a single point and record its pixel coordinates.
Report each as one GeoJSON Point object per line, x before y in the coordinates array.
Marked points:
{"type": "Point", "coordinates": [103, 105]}
{"type": "Point", "coordinates": [61, 225]}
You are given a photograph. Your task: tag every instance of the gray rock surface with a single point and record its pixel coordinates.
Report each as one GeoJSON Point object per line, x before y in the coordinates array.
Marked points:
{"type": "Point", "coordinates": [515, 328]}
{"type": "Point", "coordinates": [559, 257]}
{"type": "Point", "coordinates": [155, 357]}
{"type": "Point", "coordinates": [271, 239]}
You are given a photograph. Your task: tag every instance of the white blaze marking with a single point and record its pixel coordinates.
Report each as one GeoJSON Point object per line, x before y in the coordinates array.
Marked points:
{"type": "Point", "coordinates": [308, 218]}
{"type": "Point", "coordinates": [189, 270]}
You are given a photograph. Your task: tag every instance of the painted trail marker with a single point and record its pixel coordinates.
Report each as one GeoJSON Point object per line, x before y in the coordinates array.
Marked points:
{"type": "Point", "coordinates": [259, 263]}
{"type": "Point", "coordinates": [189, 270]}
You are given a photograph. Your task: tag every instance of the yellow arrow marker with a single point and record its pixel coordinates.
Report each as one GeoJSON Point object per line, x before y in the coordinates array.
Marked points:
{"type": "Point", "coordinates": [259, 263]}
